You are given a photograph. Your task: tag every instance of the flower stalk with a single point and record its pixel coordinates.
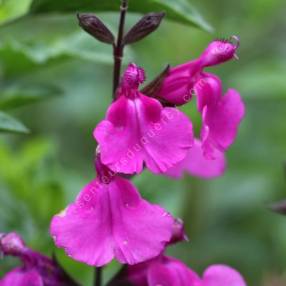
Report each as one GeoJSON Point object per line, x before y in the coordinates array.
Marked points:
{"type": "Point", "coordinates": [98, 276]}
{"type": "Point", "coordinates": [118, 47]}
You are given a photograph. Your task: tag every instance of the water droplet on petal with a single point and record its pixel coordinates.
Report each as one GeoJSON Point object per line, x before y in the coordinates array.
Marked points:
{"type": "Point", "coordinates": [125, 242]}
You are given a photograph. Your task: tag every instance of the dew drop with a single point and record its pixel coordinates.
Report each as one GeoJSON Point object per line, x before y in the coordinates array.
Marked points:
{"type": "Point", "coordinates": [125, 242]}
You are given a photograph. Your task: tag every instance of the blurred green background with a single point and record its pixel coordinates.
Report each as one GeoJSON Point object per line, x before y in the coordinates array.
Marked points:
{"type": "Point", "coordinates": [46, 59]}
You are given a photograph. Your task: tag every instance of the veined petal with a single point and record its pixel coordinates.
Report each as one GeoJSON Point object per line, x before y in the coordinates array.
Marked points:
{"type": "Point", "coordinates": [139, 130]}
{"type": "Point", "coordinates": [218, 275]}
{"type": "Point", "coordinates": [112, 221]}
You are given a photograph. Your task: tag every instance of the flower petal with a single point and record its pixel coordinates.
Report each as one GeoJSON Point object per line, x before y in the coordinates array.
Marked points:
{"type": "Point", "coordinates": [196, 164]}
{"type": "Point", "coordinates": [84, 228]}
{"type": "Point", "coordinates": [21, 277]}
{"type": "Point", "coordinates": [220, 275]}
{"type": "Point", "coordinates": [140, 130]}
{"type": "Point", "coordinates": [158, 274]}
{"type": "Point", "coordinates": [208, 90]}
{"type": "Point", "coordinates": [112, 220]}
{"type": "Point", "coordinates": [162, 270]}
{"type": "Point", "coordinates": [221, 122]}
{"type": "Point", "coordinates": [171, 272]}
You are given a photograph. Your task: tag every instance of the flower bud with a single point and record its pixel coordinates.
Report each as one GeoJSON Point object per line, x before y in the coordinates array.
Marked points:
{"type": "Point", "coordinates": [220, 51]}
{"type": "Point", "coordinates": [96, 28]}
{"type": "Point", "coordinates": [146, 25]}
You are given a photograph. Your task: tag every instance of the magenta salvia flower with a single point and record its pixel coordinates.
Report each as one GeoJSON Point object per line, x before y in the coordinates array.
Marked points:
{"type": "Point", "coordinates": [169, 271]}
{"type": "Point", "coordinates": [110, 220]}
{"type": "Point", "coordinates": [177, 87]}
{"type": "Point", "coordinates": [37, 269]}
{"type": "Point", "coordinates": [221, 116]}
{"type": "Point", "coordinates": [138, 130]}
{"type": "Point", "coordinates": [197, 165]}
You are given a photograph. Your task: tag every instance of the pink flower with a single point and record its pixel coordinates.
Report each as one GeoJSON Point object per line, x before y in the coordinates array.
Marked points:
{"type": "Point", "coordinates": [177, 87]}
{"type": "Point", "coordinates": [168, 271]}
{"type": "Point", "coordinates": [197, 165]}
{"type": "Point", "coordinates": [110, 220]}
{"type": "Point", "coordinates": [37, 269]}
{"type": "Point", "coordinates": [138, 130]}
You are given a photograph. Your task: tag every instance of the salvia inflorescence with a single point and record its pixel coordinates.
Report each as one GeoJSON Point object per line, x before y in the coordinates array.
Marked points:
{"type": "Point", "coordinates": [143, 128]}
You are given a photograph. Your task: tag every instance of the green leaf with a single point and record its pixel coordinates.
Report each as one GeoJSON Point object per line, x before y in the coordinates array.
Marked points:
{"type": "Point", "coordinates": [19, 95]}
{"type": "Point", "coordinates": [177, 10]}
{"type": "Point", "coordinates": [12, 9]}
{"type": "Point", "coordinates": [10, 124]}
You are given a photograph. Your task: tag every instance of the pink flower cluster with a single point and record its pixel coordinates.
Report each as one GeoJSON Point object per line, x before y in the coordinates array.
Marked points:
{"type": "Point", "coordinates": [109, 218]}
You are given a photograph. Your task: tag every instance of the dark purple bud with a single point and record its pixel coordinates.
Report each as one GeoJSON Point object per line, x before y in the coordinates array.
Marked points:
{"type": "Point", "coordinates": [152, 88]}
{"type": "Point", "coordinates": [96, 28]}
{"type": "Point", "coordinates": [147, 25]}
{"type": "Point", "coordinates": [279, 207]}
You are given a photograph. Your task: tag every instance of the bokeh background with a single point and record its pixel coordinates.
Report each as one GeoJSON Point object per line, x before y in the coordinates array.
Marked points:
{"type": "Point", "coordinates": [47, 56]}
